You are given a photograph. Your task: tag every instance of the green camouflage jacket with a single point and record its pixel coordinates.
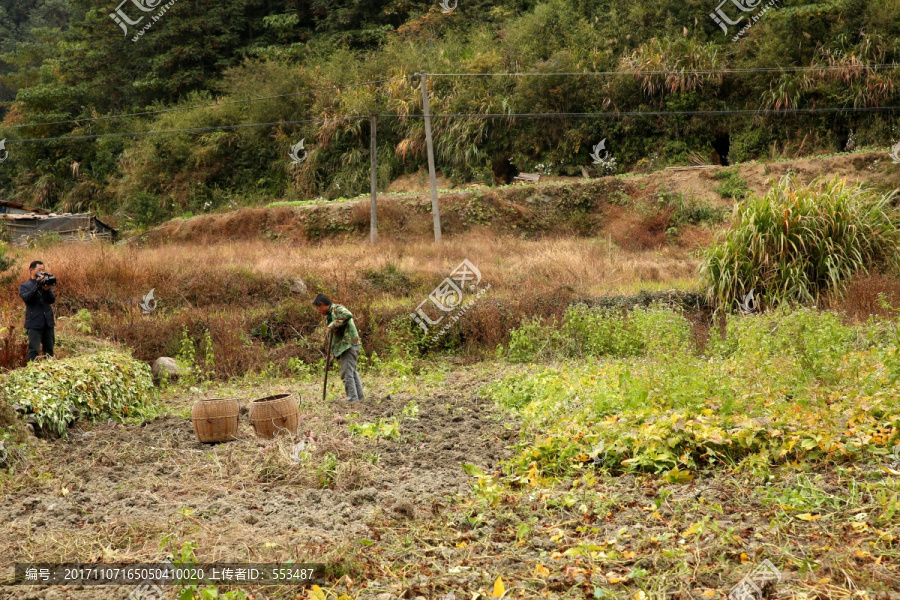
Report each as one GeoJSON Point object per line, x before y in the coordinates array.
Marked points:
{"type": "Point", "coordinates": [345, 333]}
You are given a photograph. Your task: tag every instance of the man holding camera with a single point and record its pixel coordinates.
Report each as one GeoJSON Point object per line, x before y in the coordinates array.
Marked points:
{"type": "Point", "coordinates": [38, 295]}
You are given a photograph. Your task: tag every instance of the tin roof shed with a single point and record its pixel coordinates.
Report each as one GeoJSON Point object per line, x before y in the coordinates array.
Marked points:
{"type": "Point", "coordinates": [23, 223]}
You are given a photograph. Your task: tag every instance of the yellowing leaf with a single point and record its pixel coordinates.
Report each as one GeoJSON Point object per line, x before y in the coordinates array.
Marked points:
{"type": "Point", "coordinates": [807, 517]}
{"type": "Point", "coordinates": [316, 593]}
{"type": "Point", "coordinates": [709, 593]}
{"type": "Point", "coordinates": [532, 474]}
{"type": "Point", "coordinates": [499, 588]}
{"type": "Point", "coordinates": [693, 529]}
{"type": "Point", "coordinates": [676, 475]}
{"type": "Point", "coordinates": [462, 544]}
{"type": "Point", "coordinates": [629, 554]}
{"type": "Point", "coordinates": [640, 595]}
{"type": "Point", "coordinates": [541, 571]}
{"type": "Point", "coordinates": [744, 557]}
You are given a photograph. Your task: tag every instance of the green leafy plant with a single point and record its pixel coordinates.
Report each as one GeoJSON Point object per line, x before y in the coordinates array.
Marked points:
{"type": "Point", "coordinates": [210, 592]}
{"type": "Point", "coordinates": [44, 239]}
{"type": "Point", "coordinates": [382, 428]}
{"type": "Point", "coordinates": [306, 371]}
{"type": "Point", "coordinates": [210, 357]}
{"type": "Point", "coordinates": [185, 557]}
{"type": "Point", "coordinates": [487, 487]}
{"type": "Point", "coordinates": [389, 279]}
{"type": "Point", "coordinates": [186, 357]}
{"type": "Point", "coordinates": [688, 210]}
{"type": "Point", "coordinates": [782, 386]}
{"type": "Point", "coordinates": [411, 410]}
{"type": "Point", "coordinates": [327, 471]}
{"type": "Point", "coordinates": [99, 386]}
{"type": "Point", "coordinates": [186, 351]}
{"type": "Point", "coordinates": [733, 185]}
{"type": "Point", "coordinates": [588, 331]}
{"type": "Point", "coordinates": [83, 321]}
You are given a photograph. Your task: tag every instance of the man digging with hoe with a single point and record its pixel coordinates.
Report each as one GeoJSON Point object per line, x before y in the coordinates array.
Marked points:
{"type": "Point", "coordinates": [344, 344]}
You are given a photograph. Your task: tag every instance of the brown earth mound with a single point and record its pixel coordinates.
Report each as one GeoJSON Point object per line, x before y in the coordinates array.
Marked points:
{"type": "Point", "coordinates": [568, 206]}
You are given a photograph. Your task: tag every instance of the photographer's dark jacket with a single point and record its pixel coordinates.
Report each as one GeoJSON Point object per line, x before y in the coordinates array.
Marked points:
{"type": "Point", "coordinates": [38, 312]}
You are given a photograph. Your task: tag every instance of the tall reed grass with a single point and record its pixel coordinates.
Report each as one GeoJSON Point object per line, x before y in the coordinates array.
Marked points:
{"type": "Point", "coordinates": [800, 241]}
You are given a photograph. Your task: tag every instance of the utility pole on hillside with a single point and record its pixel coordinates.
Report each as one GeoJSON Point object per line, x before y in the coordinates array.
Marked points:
{"type": "Point", "coordinates": [373, 220]}
{"type": "Point", "coordinates": [435, 210]}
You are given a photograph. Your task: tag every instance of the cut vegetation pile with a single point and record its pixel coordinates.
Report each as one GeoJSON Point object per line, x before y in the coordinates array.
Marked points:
{"type": "Point", "coordinates": [98, 386]}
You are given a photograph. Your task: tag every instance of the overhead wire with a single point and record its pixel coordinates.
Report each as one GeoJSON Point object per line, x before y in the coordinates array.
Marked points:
{"type": "Point", "coordinates": [677, 71]}
{"type": "Point", "coordinates": [218, 103]}
{"type": "Point", "coordinates": [506, 74]}
{"type": "Point", "coordinates": [761, 112]}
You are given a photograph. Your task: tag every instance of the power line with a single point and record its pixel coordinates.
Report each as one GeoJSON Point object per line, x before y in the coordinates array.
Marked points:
{"type": "Point", "coordinates": [663, 113]}
{"type": "Point", "coordinates": [528, 74]}
{"type": "Point", "coordinates": [761, 112]}
{"type": "Point", "coordinates": [187, 130]}
{"type": "Point", "coordinates": [180, 108]}
{"type": "Point", "coordinates": [676, 72]}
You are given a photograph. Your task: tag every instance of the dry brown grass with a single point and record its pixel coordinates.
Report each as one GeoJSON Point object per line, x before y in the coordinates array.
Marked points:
{"type": "Point", "coordinates": [233, 289]}
{"type": "Point", "coordinates": [861, 298]}
{"type": "Point", "coordinates": [199, 274]}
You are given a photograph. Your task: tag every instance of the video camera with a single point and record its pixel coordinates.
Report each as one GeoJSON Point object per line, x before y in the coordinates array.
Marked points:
{"type": "Point", "coordinates": [46, 279]}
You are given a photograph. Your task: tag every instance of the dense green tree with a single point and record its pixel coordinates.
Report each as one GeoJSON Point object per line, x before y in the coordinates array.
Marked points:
{"type": "Point", "coordinates": [194, 65]}
{"type": "Point", "coordinates": [18, 20]}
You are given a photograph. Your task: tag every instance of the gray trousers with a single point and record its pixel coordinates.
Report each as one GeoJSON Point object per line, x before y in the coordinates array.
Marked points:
{"type": "Point", "coordinates": [352, 382]}
{"type": "Point", "coordinates": [45, 337]}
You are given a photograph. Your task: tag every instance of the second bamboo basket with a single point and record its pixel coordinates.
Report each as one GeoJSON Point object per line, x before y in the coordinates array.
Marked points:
{"type": "Point", "coordinates": [273, 415]}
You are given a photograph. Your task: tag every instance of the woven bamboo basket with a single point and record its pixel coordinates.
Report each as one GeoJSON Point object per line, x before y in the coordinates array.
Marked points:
{"type": "Point", "coordinates": [215, 419]}
{"type": "Point", "coordinates": [274, 414]}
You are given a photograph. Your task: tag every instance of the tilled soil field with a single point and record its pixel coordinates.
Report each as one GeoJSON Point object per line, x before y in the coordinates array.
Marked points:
{"type": "Point", "coordinates": [120, 493]}
{"type": "Point", "coordinates": [399, 517]}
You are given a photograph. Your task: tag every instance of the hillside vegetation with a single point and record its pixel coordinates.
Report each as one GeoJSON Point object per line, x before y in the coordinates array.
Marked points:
{"type": "Point", "coordinates": [67, 69]}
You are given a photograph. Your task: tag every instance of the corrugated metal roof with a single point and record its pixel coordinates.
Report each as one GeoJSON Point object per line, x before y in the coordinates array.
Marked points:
{"type": "Point", "coordinates": [70, 227]}
{"type": "Point", "coordinates": [5, 205]}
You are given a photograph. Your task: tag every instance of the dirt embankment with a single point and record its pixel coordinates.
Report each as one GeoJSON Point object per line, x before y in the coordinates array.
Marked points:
{"type": "Point", "coordinates": [566, 205]}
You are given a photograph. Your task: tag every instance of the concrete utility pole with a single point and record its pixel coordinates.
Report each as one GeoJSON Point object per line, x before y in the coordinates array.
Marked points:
{"type": "Point", "coordinates": [435, 210]}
